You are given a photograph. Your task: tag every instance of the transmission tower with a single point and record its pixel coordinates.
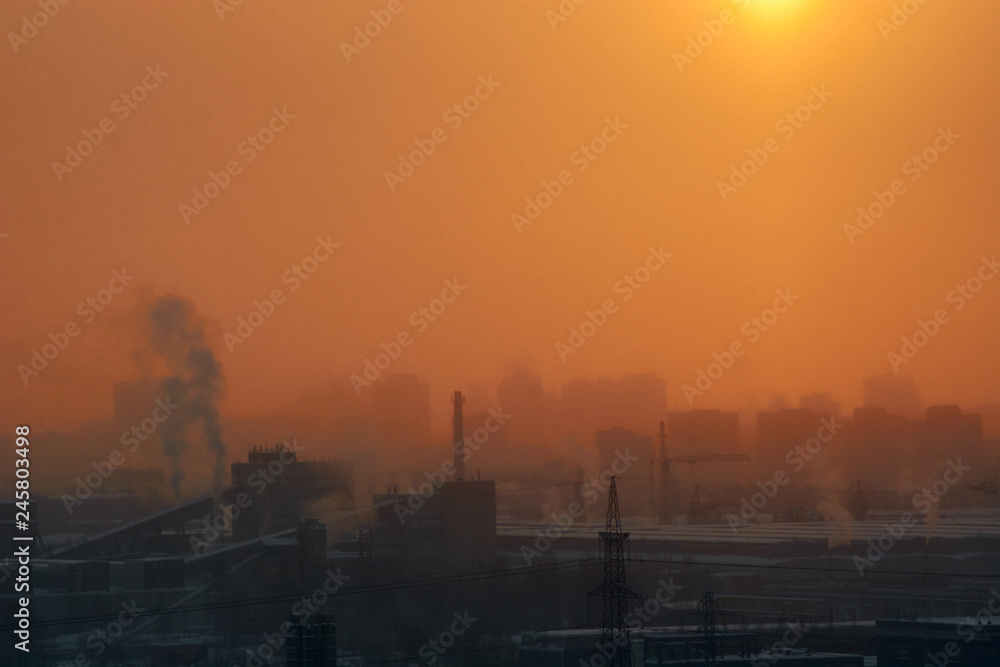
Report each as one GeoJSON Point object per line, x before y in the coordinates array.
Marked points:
{"type": "Point", "coordinates": [615, 642]}
{"type": "Point", "coordinates": [709, 608]}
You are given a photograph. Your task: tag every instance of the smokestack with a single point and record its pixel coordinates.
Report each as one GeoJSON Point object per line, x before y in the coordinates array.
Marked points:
{"type": "Point", "coordinates": [458, 448]}
{"type": "Point", "coordinates": [666, 486]}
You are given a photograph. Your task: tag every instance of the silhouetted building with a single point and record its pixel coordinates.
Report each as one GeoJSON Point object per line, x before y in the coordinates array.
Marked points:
{"type": "Point", "coordinates": [629, 455]}
{"type": "Point", "coordinates": [313, 641]}
{"type": "Point", "coordinates": [873, 435]}
{"type": "Point", "coordinates": [453, 525]}
{"type": "Point", "coordinates": [820, 403]}
{"type": "Point", "coordinates": [938, 641]}
{"type": "Point", "coordinates": [896, 393]}
{"type": "Point", "coordinates": [532, 430]}
{"type": "Point", "coordinates": [703, 432]}
{"type": "Point", "coordinates": [277, 487]}
{"type": "Point", "coordinates": [990, 417]}
{"type": "Point", "coordinates": [780, 432]}
{"type": "Point", "coordinates": [947, 433]}
{"type": "Point", "coordinates": [633, 401]}
{"type": "Point", "coordinates": [681, 649]}
{"type": "Point", "coordinates": [402, 404]}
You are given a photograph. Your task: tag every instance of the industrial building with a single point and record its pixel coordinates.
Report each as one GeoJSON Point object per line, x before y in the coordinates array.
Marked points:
{"type": "Point", "coordinates": [966, 640]}
{"type": "Point", "coordinates": [447, 523]}
{"type": "Point", "coordinates": [220, 575]}
{"type": "Point", "coordinates": [280, 487]}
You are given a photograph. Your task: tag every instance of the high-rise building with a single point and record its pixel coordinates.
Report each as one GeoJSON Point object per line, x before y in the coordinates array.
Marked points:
{"type": "Point", "coordinates": [636, 401]}
{"type": "Point", "coordinates": [703, 432]}
{"type": "Point", "coordinates": [780, 432]}
{"type": "Point", "coordinates": [402, 404]}
{"type": "Point", "coordinates": [896, 393]}
{"type": "Point", "coordinates": [629, 455]}
{"type": "Point", "coordinates": [820, 403]}
{"type": "Point", "coordinates": [948, 434]}
{"type": "Point", "coordinates": [532, 430]}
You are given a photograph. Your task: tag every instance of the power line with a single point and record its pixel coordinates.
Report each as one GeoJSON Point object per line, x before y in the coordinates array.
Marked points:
{"type": "Point", "coordinates": [493, 574]}
{"type": "Point", "coordinates": [343, 592]}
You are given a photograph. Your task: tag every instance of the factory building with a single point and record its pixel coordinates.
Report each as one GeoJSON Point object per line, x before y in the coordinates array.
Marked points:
{"type": "Point", "coordinates": [446, 524]}
{"type": "Point", "coordinates": [278, 487]}
{"type": "Point", "coordinates": [970, 640]}
{"type": "Point", "coordinates": [654, 647]}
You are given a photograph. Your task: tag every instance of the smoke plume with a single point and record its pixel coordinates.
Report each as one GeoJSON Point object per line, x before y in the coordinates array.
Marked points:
{"type": "Point", "coordinates": [193, 375]}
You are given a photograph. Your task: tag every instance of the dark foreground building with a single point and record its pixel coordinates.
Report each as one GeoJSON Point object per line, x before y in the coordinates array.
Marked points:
{"type": "Point", "coordinates": [970, 642]}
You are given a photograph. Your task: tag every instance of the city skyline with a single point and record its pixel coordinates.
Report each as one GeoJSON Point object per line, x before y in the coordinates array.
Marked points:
{"type": "Point", "coordinates": [550, 332]}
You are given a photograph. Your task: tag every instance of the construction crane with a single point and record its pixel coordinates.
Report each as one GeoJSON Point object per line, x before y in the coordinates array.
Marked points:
{"type": "Point", "coordinates": [666, 480]}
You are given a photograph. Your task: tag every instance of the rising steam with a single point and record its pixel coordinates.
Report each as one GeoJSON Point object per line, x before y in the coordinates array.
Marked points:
{"type": "Point", "coordinates": [194, 377]}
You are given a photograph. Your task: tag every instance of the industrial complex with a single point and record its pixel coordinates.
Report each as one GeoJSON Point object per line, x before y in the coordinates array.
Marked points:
{"type": "Point", "coordinates": [672, 545]}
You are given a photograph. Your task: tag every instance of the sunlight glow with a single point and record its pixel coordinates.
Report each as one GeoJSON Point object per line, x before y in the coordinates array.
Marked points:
{"type": "Point", "coordinates": [772, 11]}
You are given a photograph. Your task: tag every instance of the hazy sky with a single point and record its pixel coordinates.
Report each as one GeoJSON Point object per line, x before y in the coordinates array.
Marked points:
{"type": "Point", "coordinates": [338, 111]}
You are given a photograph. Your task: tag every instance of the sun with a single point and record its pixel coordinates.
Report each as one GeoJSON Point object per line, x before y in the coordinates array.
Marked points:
{"type": "Point", "coordinates": [779, 11]}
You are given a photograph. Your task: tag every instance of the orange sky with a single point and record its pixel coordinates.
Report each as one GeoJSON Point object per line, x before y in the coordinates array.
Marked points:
{"type": "Point", "coordinates": [680, 131]}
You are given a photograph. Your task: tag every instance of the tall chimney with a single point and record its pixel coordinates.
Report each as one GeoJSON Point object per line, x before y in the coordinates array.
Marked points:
{"type": "Point", "coordinates": [666, 483]}
{"type": "Point", "coordinates": [458, 448]}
